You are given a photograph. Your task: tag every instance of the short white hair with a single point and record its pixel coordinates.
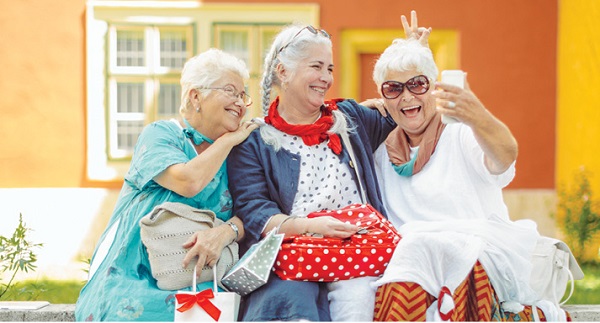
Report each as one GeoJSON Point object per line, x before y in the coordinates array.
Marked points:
{"type": "Point", "coordinates": [405, 55]}
{"type": "Point", "coordinates": [205, 69]}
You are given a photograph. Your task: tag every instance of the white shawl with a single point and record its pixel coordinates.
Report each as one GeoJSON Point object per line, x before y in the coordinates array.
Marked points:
{"type": "Point", "coordinates": [442, 253]}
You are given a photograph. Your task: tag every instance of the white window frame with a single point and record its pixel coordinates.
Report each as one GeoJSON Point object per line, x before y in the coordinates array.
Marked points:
{"type": "Point", "coordinates": [150, 76]}
{"type": "Point", "coordinates": [202, 16]}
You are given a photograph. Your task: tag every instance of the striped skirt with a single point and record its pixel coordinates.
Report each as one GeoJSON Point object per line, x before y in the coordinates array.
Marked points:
{"type": "Point", "coordinates": [474, 299]}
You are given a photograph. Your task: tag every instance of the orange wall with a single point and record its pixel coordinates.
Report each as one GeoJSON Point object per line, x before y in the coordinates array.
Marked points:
{"type": "Point", "coordinates": [42, 124]}
{"type": "Point", "coordinates": [508, 47]}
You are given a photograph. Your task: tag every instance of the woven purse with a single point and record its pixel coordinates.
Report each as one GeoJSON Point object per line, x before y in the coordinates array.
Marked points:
{"type": "Point", "coordinates": [165, 230]}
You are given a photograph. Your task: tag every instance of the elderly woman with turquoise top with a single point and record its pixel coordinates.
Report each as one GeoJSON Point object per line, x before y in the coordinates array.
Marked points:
{"type": "Point", "coordinates": [174, 161]}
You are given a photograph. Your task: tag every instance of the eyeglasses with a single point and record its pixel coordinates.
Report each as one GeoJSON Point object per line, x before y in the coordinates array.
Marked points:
{"type": "Point", "coordinates": [310, 28]}
{"type": "Point", "coordinates": [232, 93]}
{"type": "Point", "coordinates": [416, 85]}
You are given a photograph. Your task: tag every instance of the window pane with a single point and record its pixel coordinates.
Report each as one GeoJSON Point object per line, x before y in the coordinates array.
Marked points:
{"type": "Point", "coordinates": [127, 134]}
{"type": "Point", "coordinates": [168, 100]}
{"type": "Point", "coordinates": [236, 43]}
{"type": "Point", "coordinates": [130, 48]}
{"type": "Point", "coordinates": [173, 48]}
{"type": "Point", "coordinates": [130, 97]}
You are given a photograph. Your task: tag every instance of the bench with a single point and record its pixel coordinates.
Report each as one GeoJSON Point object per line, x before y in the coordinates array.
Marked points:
{"type": "Point", "coordinates": [65, 313]}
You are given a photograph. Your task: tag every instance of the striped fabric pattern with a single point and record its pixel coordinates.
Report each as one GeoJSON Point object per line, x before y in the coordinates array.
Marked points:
{"type": "Point", "coordinates": [475, 300]}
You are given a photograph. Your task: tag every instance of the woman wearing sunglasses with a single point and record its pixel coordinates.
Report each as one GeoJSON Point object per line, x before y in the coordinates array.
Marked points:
{"type": "Point", "coordinates": [442, 188]}
{"type": "Point", "coordinates": [295, 164]}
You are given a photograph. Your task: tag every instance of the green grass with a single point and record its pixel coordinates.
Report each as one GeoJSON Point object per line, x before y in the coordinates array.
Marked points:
{"type": "Point", "coordinates": [53, 291]}
{"type": "Point", "coordinates": [587, 290]}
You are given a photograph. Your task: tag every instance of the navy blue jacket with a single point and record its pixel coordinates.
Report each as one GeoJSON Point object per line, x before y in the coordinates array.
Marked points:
{"type": "Point", "coordinates": [263, 182]}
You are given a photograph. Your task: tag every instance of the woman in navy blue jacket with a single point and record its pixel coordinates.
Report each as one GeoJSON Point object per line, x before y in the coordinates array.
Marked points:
{"type": "Point", "coordinates": [295, 164]}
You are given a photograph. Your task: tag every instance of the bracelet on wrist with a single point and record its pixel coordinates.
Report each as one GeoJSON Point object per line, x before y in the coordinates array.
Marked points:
{"type": "Point", "coordinates": [235, 229]}
{"type": "Point", "coordinates": [282, 222]}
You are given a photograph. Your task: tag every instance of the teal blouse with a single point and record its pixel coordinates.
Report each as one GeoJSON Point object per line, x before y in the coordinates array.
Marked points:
{"type": "Point", "coordinates": [120, 285]}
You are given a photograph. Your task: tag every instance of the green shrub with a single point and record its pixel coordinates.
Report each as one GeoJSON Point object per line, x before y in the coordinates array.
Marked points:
{"type": "Point", "coordinates": [16, 255]}
{"type": "Point", "coordinates": [578, 214]}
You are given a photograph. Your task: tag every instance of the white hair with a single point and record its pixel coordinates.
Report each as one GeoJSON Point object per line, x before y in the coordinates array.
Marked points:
{"type": "Point", "coordinates": [205, 69]}
{"type": "Point", "coordinates": [405, 55]}
{"type": "Point", "coordinates": [294, 41]}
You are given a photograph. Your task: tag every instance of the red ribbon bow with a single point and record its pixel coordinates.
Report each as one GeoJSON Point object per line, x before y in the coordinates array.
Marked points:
{"type": "Point", "coordinates": [202, 299]}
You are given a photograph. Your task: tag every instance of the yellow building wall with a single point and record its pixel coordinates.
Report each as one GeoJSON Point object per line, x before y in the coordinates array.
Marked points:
{"type": "Point", "coordinates": [578, 115]}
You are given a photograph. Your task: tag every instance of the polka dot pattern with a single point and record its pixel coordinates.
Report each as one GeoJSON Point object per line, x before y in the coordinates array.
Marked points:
{"type": "Point", "coordinates": [325, 182]}
{"type": "Point", "coordinates": [253, 269]}
{"type": "Point", "coordinates": [309, 258]}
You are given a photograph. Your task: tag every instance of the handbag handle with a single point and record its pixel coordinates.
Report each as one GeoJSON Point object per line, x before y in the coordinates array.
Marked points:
{"type": "Point", "coordinates": [348, 144]}
{"type": "Point", "coordinates": [215, 287]}
{"type": "Point", "coordinates": [194, 281]}
{"type": "Point", "coordinates": [572, 280]}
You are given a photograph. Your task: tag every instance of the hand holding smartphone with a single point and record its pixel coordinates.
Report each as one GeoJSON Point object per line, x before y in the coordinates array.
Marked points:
{"type": "Point", "coordinates": [456, 78]}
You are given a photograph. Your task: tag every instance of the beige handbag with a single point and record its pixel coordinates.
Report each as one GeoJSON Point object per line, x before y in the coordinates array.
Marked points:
{"type": "Point", "coordinates": [165, 230]}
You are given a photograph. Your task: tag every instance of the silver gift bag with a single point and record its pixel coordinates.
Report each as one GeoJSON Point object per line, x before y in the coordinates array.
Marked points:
{"type": "Point", "coordinates": [253, 269]}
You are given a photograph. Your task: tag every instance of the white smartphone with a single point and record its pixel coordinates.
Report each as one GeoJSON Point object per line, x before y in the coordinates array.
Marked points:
{"type": "Point", "coordinates": [456, 78]}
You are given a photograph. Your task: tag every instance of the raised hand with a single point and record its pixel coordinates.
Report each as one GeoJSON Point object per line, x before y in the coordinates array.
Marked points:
{"type": "Point", "coordinates": [414, 31]}
{"type": "Point", "coordinates": [461, 104]}
{"type": "Point", "coordinates": [242, 132]}
{"type": "Point", "coordinates": [499, 146]}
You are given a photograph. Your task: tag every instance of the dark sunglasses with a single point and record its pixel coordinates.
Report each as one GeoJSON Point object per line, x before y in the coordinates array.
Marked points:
{"type": "Point", "coordinates": [310, 28]}
{"type": "Point", "coordinates": [416, 85]}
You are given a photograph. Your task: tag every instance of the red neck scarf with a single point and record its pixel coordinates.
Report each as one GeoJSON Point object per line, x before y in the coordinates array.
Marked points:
{"type": "Point", "coordinates": [311, 134]}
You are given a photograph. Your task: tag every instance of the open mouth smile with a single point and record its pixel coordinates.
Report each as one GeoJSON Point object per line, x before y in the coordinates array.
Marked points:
{"type": "Point", "coordinates": [318, 90]}
{"type": "Point", "coordinates": [234, 112]}
{"type": "Point", "coordinates": [411, 110]}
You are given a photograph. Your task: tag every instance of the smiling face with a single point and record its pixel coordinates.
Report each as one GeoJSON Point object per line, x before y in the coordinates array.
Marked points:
{"type": "Point", "coordinates": [307, 85]}
{"type": "Point", "coordinates": [219, 112]}
{"type": "Point", "coordinates": [412, 112]}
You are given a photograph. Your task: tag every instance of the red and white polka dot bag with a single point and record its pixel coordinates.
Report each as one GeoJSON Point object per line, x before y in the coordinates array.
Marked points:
{"type": "Point", "coordinates": [309, 258]}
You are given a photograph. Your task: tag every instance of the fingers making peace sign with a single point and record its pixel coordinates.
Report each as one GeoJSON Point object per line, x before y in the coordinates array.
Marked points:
{"type": "Point", "coordinates": [414, 31]}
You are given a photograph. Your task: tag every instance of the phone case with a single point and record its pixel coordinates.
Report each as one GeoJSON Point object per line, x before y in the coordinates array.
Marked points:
{"type": "Point", "coordinates": [457, 78]}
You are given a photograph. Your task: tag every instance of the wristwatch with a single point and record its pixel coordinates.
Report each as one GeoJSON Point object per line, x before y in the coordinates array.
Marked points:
{"type": "Point", "coordinates": [235, 229]}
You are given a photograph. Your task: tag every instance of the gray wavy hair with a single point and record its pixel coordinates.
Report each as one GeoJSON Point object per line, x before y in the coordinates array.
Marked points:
{"type": "Point", "coordinates": [405, 55]}
{"type": "Point", "coordinates": [205, 69]}
{"type": "Point", "coordinates": [294, 42]}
